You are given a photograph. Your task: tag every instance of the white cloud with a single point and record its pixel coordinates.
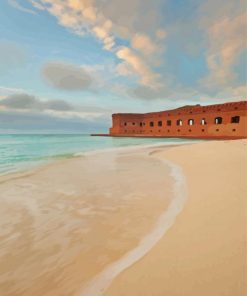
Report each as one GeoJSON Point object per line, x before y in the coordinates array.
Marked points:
{"type": "Point", "coordinates": [141, 29]}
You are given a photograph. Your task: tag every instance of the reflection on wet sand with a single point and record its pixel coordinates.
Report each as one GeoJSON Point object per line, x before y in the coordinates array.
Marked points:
{"type": "Point", "coordinates": [64, 223]}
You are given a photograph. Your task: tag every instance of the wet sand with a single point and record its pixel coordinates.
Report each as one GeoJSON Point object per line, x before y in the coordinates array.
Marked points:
{"type": "Point", "coordinates": [204, 252]}
{"type": "Point", "coordinates": [63, 224]}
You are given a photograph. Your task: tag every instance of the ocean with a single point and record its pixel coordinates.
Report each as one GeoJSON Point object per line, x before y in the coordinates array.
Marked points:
{"type": "Point", "coordinates": [23, 151]}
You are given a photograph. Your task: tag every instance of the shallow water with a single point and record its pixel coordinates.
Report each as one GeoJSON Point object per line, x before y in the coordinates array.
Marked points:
{"type": "Point", "coordinates": [63, 224]}
{"type": "Point", "coordinates": [19, 152]}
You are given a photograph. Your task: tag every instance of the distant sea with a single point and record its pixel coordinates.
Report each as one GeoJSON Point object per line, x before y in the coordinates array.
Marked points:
{"type": "Point", "coordinates": [23, 151]}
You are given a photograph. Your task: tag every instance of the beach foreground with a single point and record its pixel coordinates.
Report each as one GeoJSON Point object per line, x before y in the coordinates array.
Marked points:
{"type": "Point", "coordinates": [204, 252]}
{"type": "Point", "coordinates": [139, 221]}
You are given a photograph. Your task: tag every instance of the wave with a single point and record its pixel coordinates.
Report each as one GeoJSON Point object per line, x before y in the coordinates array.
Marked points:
{"type": "Point", "coordinates": [102, 281]}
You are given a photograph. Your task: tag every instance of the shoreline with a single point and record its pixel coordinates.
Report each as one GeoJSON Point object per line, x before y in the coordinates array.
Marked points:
{"type": "Point", "coordinates": [29, 170]}
{"type": "Point", "coordinates": [204, 253]}
{"type": "Point", "coordinates": [98, 285]}
{"type": "Point", "coordinates": [103, 214]}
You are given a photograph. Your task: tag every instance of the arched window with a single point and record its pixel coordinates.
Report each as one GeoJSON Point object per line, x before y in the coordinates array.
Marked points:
{"type": "Point", "coordinates": [151, 123]}
{"type": "Point", "coordinates": [235, 119]}
{"type": "Point", "coordinates": [169, 122]}
{"type": "Point", "coordinates": [179, 122]}
{"type": "Point", "coordinates": [190, 121]}
{"type": "Point", "coordinates": [159, 123]}
{"type": "Point", "coordinates": [203, 121]}
{"type": "Point", "coordinates": [218, 120]}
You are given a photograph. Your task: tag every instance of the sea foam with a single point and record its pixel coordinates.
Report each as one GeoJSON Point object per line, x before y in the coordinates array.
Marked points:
{"type": "Point", "coordinates": [98, 285]}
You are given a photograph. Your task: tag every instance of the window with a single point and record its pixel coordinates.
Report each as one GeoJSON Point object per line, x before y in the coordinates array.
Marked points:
{"type": "Point", "coordinates": [190, 121]}
{"type": "Point", "coordinates": [179, 122]}
{"type": "Point", "coordinates": [151, 123]}
{"type": "Point", "coordinates": [159, 123]}
{"type": "Point", "coordinates": [133, 123]}
{"type": "Point", "coordinates": [235, 119]}
{"type": "Point", "coordinates": [125, 123]}
{"type": "Point", "coordinates": [140, 123]}
{"type": "Point", "coordinates": [203, 130]}
{"type": "Point", "coordinates": [218, 120]}
{"type": "Point", "coordinates": [203, 121]}
{"type": "Point", "coordinates": [169, 122]}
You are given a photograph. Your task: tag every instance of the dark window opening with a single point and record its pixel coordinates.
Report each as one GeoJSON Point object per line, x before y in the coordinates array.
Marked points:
{"type": "Point", "coordinates": [151, 123]}
{"type": "Point", "coordinates": [169, 122]}
{"type": "Point", "coordinates": [179, 122]}
{"type": "Point", "coordinates": [159, 123]}
{"type": "Point", "coordinates": [234, 130]}
{"type": "Point", "coordinates": [203, 121]}
{"type": "Point", "coordinates": [236, 108]}
{"type": "Point", "coordinates": [125, 123]}
{"type": "Point", "coordinates": [190, 121]}
{"type": "Point", "coordinates": [159, 131]}
{"type": "Point", "coordinates": [189, 130]}
{"type": "Point", "coordinates": [178, 130]}
{"type": "Point", "coordinates": [140, 123]}
{"type": "Point", "coordinates": [235, 119]}
{"type": "Point", "coordinates": [218, 120]}
{"type": "Point", "coordinates": [202, 130]}
{"type": "Point", "coordinates": [133, 123]}
{"type": "Point", "coordinates": [168, 131]}
{"type": "Point", "coordinates": [217, 130]}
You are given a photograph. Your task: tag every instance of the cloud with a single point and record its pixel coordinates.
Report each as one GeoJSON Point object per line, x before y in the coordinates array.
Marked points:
{"type": "Point", "coordinates": [15, 4]}
{"type": "Point", "coordinates": [143, 43]}
{"type": "Point", "coordinates": [58, 108]}
{"type": "Point", "coordinates": [28, 102]}
{"type": "Point", "coordinates": [137, 64]}
{"type": "Point", "coordinates": [12, 121]}
{"type": "Point", "coordinates": [66, 76]}
{"type": "Point", "coordinates": [226, 42]}
{"type": "Point", "coordinates": [137, 21]}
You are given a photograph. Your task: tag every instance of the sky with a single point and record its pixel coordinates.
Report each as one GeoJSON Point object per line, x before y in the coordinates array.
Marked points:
{"type": "Point", "coordinates": [67, 65]}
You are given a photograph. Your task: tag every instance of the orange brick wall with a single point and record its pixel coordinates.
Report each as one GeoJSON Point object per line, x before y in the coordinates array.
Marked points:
{"type": "Point", "coordinates": [136, 125]}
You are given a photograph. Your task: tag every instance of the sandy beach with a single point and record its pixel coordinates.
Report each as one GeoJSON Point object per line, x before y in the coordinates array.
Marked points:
{"type": "Point", "coordinates": [204, 252]}
{"type": "Point", "coordinates": [63, 223]}
{"type": "Point", "coordinates": [143, 221]}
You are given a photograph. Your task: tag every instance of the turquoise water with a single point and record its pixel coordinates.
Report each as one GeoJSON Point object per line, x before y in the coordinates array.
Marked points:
{"type": "Point", "coordinates": [19, 152]}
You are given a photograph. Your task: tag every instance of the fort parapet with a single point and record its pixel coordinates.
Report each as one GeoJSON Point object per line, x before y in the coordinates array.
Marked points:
{"type": "Point", "coordinates": [221, 121]}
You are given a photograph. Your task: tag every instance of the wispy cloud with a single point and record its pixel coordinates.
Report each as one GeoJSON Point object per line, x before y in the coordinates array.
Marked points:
{"type": "Point", "coordinates": [15, 4]}
{"type": "Point", "coordinates": [91, 16]}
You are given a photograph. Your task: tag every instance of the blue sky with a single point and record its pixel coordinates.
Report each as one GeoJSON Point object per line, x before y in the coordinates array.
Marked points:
{"type": "Point", "coordinates": [77, 61]}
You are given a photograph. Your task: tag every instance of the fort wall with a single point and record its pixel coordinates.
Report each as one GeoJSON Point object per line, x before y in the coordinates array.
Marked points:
{"type": "Point", "coordinates": [226, 121]}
